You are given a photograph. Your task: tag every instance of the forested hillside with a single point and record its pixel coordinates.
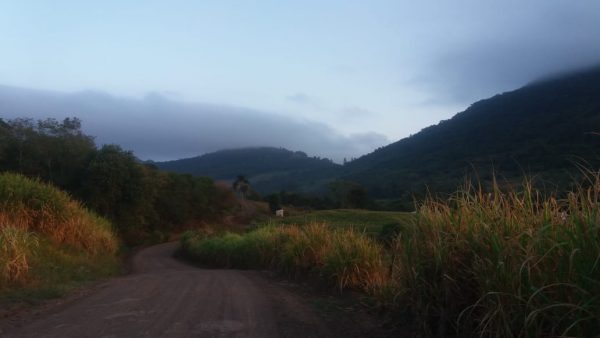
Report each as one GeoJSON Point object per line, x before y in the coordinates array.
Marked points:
{"type": "Point", "coordinates": [143, 203]}
{"type": "Point", "coordinates": [545, 129]}
{"type": "Point", "coordinates": [268, 169]}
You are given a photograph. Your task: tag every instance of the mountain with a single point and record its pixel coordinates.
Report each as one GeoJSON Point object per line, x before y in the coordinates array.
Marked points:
{"type": "Point", "coordinates": [545, 129]}
{"type": "Point", "coordinates": [268, 169]}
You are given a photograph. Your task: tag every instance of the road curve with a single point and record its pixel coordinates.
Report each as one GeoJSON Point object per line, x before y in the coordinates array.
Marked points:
{"type": "Point", "coordinates": [164, 297]}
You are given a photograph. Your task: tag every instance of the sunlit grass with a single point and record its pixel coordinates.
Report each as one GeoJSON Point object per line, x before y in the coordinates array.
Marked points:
{"type": "Point", "coordinates": [48, 240]}
{"type": "Point", "coordinates": [342, 257]}
{"type": "Point", "coordinates": [16, 246]}
{"type": "Point", "coordinates": [38, 207]}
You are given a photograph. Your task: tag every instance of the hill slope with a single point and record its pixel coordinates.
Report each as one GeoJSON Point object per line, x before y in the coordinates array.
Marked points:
{"type": "Point", "coordinates": [542, 128]}
{"type": "Point", "coordinates": [268, 169]}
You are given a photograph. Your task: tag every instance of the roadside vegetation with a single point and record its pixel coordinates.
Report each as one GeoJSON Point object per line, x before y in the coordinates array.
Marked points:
{"type": "Point", "coordinates": [377, 224]}
{"type": "Point", "coordinates": [144, 204]}
{"type": "Point", "coordinates": [69, 209]}
{"type": "Point", "coordinates": [48, 241]}
{"type": "Point", "coordinates": [490, 263]}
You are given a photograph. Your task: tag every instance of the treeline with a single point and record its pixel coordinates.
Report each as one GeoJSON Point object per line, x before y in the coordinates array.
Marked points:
{"type": "Point", "coordinates": [339, 195]}
{"type": "Point", "coordinates": [143, 203]}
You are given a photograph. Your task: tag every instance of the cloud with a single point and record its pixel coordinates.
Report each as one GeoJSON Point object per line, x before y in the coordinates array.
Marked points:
{"type": "Point", "coordinates": [159, 128]}
{"type": "Point", "coordinates": [304, 99]}
{"type": "Point", "coordinates": [496, 53]}
{"type": "Point", "coordinates": [356, 113]}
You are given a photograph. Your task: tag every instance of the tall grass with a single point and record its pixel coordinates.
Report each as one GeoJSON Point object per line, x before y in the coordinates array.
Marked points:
{"type": "Point", "coordinates": [503, 264]}
{"type": "Point", "coordinates": [37, 217]}
{"type": "Point", "coordinates": [496, 263]}
{"type": "Point", "coordinates": [16, 246]}
{"type": "Point", "coordinates": [38, 207]}
{"type": "Point", "coordinates": [343, 258]}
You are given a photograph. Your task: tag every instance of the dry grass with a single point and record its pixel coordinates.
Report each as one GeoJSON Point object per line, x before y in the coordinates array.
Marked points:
{"type": "Point", "coordinates": [504, 264]}
{"type": "Point", "coordinates": [38, 207]}
{"type": "Point", "coordinates": [342, 257]}
{"type": "Point", "coordinates": [30, 209]}
{"type": "Point", "coordinates": [16, 246]}
{"type": "Point", "coordinates": [483, 263]}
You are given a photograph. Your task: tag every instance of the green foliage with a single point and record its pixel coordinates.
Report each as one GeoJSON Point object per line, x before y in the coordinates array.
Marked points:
{"type": "Point", "coordinates": [342, 258]}
{"type": "Point", "coordinates": [303, 200]}
{"type": "Point", "coordinates": [274, 201]}
{"type": "Point", "coordinates": [54, 270]}
{"type": "Point", "coordinates": [53, 151]}
{"type": "Point", "coordinates": [349, 195]}
{"type": "Point", "coordinates": [365, 221]}
{"type": "Point", "coordinates": [137, 198]}
{"type": "Point", "coordinates": [486, 262]}
{"type": "Point", "coordinates": [503, 264]}
{"type": "Point", "coordinates": [389, 232]}
{"type": "Point", "coordinates": [269, 169]}
{"type": "Point", "coordinates": [539, 130]}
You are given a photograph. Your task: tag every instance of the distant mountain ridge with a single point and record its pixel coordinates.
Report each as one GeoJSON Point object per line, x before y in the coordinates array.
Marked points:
{"type": "Point", "coordinates": [545, 128]}
{"type": "Point", "coordinates": [268, 169]}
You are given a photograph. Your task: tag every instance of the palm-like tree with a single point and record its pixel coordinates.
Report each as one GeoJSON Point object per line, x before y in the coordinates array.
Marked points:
{"type": "Point", "coordinates": [241, 186]}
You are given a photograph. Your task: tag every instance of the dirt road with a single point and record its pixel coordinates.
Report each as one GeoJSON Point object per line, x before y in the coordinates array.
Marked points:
{"type": "Point", "coordinates": [164, 297]}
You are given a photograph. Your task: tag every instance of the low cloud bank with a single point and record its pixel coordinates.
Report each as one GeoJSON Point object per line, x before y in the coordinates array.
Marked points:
{"type": "Point", "coordinates": [158, 128]}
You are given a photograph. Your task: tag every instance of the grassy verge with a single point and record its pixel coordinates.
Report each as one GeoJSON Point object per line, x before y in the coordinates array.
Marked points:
{"type": "Point", "coordinates": [373, 223]}
{"type": "Point", "coordinates": [504, 264]}
{"type": "Point", "coordinates": [343, 258]}
{"type": "Point", "coordinates": [491, 264]}
{"type": "Point", "coordinates": [48, 242]}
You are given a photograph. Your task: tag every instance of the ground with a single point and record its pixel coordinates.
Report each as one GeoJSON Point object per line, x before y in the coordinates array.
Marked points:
{"type": "Point", "coordinates": [165, 297]}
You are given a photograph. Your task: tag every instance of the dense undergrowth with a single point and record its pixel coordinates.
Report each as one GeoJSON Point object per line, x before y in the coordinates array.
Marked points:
{"type": "Point", "coordinates": [48, 241]}
{"type": "Point", "coordinates": [491, 264]}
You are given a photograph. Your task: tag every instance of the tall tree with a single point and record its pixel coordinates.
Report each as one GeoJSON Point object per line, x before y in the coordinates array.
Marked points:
{"type": "Point", "coordinates": [241, 186]}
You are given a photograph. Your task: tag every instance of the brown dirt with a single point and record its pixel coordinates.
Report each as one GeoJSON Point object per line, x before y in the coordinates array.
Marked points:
{"type": "Point", "coordinates": [164, 297]}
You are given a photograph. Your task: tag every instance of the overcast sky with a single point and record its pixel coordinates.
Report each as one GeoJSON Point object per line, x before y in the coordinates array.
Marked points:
{"type": "Point", "coordinates": [332, 78]}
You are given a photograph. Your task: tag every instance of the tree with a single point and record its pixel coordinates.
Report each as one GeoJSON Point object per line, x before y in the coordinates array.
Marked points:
{"type": "Point", "coordinates": [54, 151]}
{"type": "Point", "coordinates": [241, 186]}
{"type": "Point", "coordinates": [116, 186]}
{"type": "Point", "coordinates": [274, 201]}
{"type": "Point", "coordinates": [349, 194]}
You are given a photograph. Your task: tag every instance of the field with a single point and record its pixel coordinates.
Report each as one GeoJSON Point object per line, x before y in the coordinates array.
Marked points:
{"type": "Point", "coordinates": [481, 263]}
{"type": "Point", "coordinates": [363, 221]}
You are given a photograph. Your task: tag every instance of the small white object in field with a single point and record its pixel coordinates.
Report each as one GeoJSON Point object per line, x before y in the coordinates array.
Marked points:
{"type": "Point", "coordinates": [279, 213]}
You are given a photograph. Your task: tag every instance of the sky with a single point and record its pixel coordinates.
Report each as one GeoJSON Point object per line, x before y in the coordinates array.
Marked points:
{"type": "Point", "coordinates": [172, 79]}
